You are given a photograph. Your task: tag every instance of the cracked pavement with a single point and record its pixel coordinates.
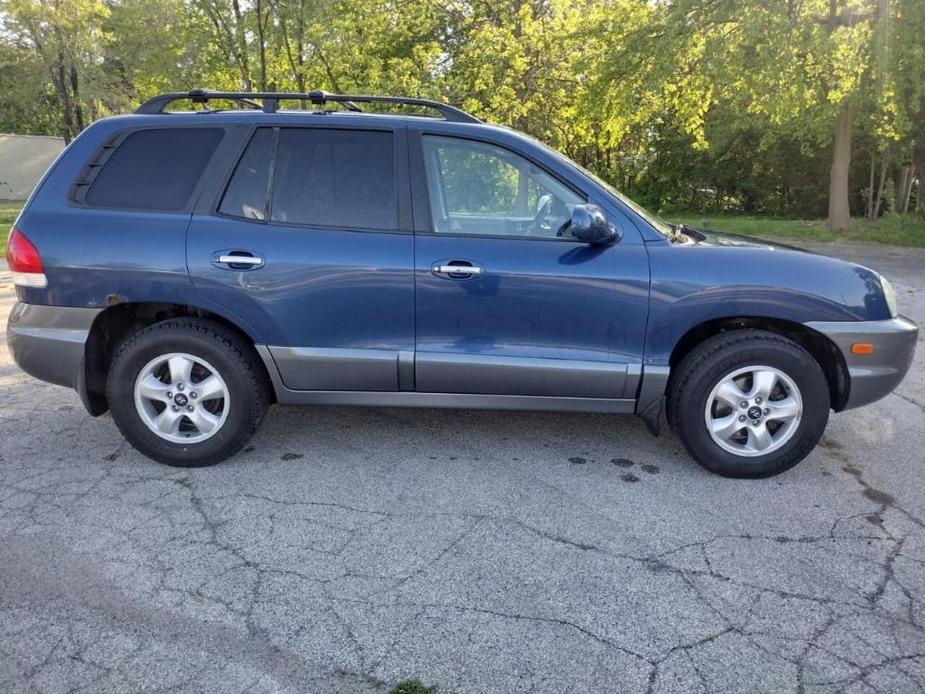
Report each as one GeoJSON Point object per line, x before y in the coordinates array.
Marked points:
{"type": "Point", "coordinates": [345, 550]}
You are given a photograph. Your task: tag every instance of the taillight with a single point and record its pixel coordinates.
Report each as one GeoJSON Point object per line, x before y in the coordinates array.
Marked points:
{"type": "Point", "coordinates": [24, 260]}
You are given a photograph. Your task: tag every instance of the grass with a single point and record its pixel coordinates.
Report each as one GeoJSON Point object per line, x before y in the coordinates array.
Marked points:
{"type": "Point", "coordinates": [8, 212]}
{"type": "Point", "coordinates": [412, 687]}
{"type": "Point", "coordinates": [895, 230]}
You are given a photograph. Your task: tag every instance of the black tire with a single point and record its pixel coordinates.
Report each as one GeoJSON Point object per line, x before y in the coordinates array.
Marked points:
{"type": "Point", "coordinates": [236, 361]}
{"type": "Point", "coordinates": [710, 362]}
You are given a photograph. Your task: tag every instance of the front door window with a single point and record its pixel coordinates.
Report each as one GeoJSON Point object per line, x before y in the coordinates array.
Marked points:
{"type": "Point", "coordinates": [478, 188]}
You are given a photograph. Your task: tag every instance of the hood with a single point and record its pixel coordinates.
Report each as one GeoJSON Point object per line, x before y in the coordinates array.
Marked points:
{"type": "Point", "coordinates": [705, 237]}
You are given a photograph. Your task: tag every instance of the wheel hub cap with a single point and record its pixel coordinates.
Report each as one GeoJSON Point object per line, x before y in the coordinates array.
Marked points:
{"type": "Point", "coordinates": [181, 398]}
{"type": "Point", "coordinates": [753, 411]}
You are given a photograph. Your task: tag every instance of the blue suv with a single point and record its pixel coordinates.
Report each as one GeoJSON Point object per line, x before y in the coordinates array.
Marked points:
{"type": "Point", "coordinates": [185, 270]}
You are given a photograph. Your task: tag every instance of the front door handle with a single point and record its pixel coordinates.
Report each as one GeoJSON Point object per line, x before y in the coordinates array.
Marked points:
{"type": "Point", "coordinates": [237, 260]}
{"type": "Point", "coordinates": [456, 269]}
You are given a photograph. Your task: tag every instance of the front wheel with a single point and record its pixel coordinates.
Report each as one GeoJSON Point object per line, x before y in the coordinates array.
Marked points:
{"type": "Point", "coordinates": [187, 392]}
{"type": "Point", "coordinates": [749, 403]}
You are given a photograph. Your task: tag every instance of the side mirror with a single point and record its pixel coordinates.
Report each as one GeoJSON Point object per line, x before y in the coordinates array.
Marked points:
{"type": "Point", "coordinates": [589, 224]}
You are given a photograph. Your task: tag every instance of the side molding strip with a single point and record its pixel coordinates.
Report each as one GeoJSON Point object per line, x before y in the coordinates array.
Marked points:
{"type": "Point", "coordinates": [310, 368]}
{"type": "Point", "coordinates": [287, 396]}
{"type": "Point", "coordinates": [467, 401]}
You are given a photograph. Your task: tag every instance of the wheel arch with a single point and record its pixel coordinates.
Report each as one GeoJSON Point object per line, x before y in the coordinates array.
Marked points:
{"type": "Point", "coordinates": [113, 325]}
{"type": "Point", "coordinates": [820, 347]}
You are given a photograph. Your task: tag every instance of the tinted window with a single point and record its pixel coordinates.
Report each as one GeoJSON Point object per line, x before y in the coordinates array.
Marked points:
{"type": "Point", "coordinates": [246, 195]}
{"type": "Point", "coordinates": [154, 169]}
{"type": "Point", "coordinates": [477, 188]}
{"type": "Point", "coordinates": [342, 178]}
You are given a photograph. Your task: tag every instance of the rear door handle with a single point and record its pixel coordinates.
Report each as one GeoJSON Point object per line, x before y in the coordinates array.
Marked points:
{"type": "Point", "coordinates": [237, 260]}
{"type": "Point", "coordinates": [455, 269]}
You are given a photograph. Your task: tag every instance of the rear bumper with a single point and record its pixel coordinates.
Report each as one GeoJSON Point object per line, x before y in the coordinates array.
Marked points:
{"type": "Point", "coordinates": [48, 342]}
{"type": "Point", "coordinates": [873, 376]}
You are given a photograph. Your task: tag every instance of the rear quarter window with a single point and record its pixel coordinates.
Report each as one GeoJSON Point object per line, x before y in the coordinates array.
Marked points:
{"type": "Point", "coordinates": [156, 169]}
{"type": "Point", "coordinates": [246, 195]}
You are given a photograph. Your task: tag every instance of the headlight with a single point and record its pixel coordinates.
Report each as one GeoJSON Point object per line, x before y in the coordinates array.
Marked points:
{"type": "Point", "coordinates": [890, 295]}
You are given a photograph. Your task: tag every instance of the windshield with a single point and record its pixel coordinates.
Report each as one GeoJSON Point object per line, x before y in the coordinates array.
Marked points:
{"type": "Point", "coordinates": [660, 224]}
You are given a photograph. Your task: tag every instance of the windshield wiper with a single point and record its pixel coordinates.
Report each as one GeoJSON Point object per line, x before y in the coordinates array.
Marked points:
{"type": "Point", "coordinates": [677, 233]}
{"type": "Point", "coordinates": [682, 233]}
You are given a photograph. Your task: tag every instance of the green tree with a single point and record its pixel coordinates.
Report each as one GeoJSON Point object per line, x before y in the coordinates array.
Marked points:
{"type": "Point", "coordinates": [29, 105]}
{"type": "Point", "coordinates": [66, 39]}
{"type": "Point", "coordinates": [804, 66]}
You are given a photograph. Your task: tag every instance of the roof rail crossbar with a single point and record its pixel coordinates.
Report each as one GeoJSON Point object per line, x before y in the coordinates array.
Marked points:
{"type": "Point", "coordinates": [158, 104]}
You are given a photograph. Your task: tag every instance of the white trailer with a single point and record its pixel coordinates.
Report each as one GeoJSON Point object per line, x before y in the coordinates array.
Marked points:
{"type": "Point", "coordinates": [23, 160]}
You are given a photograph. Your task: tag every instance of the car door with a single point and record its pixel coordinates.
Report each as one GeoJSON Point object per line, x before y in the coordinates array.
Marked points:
{"type": "Point", "coordinates": [506, 301]}
{"type": "Point", "coordinates": [310, 245]}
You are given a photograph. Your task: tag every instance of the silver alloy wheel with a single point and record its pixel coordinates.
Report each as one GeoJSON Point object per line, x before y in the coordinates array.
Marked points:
{"type": "Point", "coordinates": [753, 411]}
{"type": "Point", "coordinates": [181, 398]}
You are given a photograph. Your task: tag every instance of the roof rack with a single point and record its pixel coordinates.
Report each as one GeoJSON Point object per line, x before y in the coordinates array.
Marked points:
{"type": "Point", "coordinates": [270, 101]}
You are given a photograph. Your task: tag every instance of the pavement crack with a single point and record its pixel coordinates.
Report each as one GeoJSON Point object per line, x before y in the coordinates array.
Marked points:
{"type": "Point", "coordinates": [910, 400]}
{"type": "Point", "coordinates": [870, 492]}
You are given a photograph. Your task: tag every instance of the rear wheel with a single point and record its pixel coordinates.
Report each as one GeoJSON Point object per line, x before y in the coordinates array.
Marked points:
{"type": "Point", "coordinates": [187, 392]}
{"type": "Point", "coordinates": [749, 403]}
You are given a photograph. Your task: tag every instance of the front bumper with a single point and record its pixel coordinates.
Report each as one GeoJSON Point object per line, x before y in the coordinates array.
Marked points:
{"type": "Point", "coordinates": [873, 376]}
{"type": "Point", "coordinates": [48, 342]}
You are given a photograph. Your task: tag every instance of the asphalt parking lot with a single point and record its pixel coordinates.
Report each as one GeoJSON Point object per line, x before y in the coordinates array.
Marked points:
{"type": "Point", "coordinates": [346, 550]}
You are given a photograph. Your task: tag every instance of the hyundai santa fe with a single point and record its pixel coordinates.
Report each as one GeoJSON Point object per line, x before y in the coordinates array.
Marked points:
{"type": "Point", "coordinates": [184, 269]}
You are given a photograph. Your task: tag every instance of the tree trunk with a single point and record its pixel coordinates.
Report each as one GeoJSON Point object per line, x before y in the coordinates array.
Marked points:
{"type": "Point", "coordinates": [234, 38]}
{"type": "Point", "coordinates": [918, 163]}
{"type": "Point", "coordinates": [240, 45]}
{"type": "Point", "coordinates": [839, 210]}
{"type": "Point", "coordinates": [899, 182]}
{"type": "Point", "coordinates": [262, 44]}
{"type": "Point", "coordinates": [905, 189]}
{"type": "Point", "coordinates": [294, 43]}
{"type": "Point", "coordinates": [78, 109]}
{"type": "Point", "coordinates": [870, 185]}
{"type": "Point", "coordinates": [884, 166]}
{"type": "Point", "coordinates": [64, 96]}
{"type": "Point", "coordinates": [907, 196]}
{"type": "Point", "coordinates": [327, 68]}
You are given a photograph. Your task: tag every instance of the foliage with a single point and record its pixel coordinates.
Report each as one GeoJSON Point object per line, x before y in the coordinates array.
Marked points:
{"type": "Point", "coordinates": [712, 105]}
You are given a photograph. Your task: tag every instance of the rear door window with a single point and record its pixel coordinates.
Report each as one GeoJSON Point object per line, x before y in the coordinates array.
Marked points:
{"type": "Point", "coordinates": [154, 169]}
{"type": "Point", "coordinates": [335, 178]}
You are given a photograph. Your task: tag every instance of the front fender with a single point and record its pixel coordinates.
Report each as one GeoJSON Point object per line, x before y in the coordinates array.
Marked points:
{"type": "Point", "coordinates": [692, 285]}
